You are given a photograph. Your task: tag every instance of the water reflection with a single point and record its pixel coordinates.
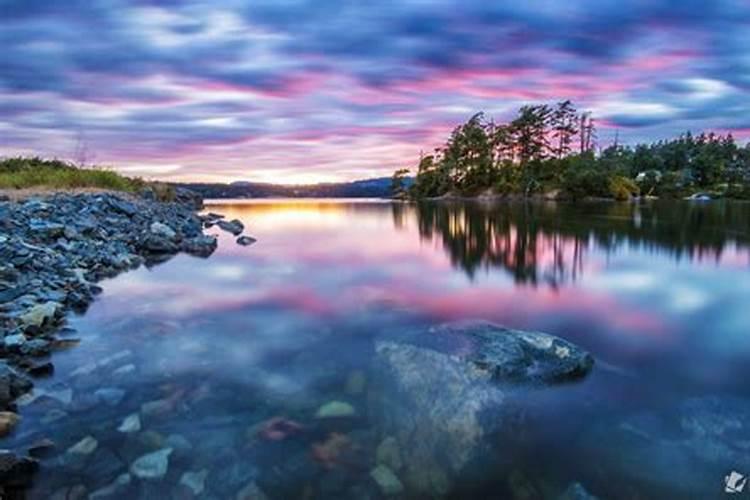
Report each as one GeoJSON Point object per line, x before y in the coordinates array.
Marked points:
{"type": "Point", "coordinates": [229, 361]}
{"type": "Point", "coordinates": [547, 243]}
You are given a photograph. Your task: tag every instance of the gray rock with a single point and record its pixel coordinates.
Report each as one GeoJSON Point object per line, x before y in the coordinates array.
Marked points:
{"type": "Point", "coordinates": [162, 230]}
{"type": "Point", "coordinates": [446, 389]}
{"type": "Point", "coordinates": [111, 396]}
{"type": "Point", "coordinates": [14, 342]}
{"type": "Point", "coordinates": [195, 481]}
{"type": "Point", "coordinates": [152, 465]}
{"type": "Point", "coordinates": [85, 446]}
{"type": "Point", "coordinates": [200, 246]}
{"type": "Point", "coordinates": [130, 424]}
{"type": "Point", "coordinates": [16, 471]}
{"type": "Point", "coordinates": [115, 489]}
{"type": "Point", "coordinates": [388, 482]}
{"type": "Point", "coordinates": [234, 226]}
{"type": "Point", "coordinates": [576, 491]}
{"type": "Point", "coordinates": [246, 241]}
{"type": "Point", "coordinates": [39, 314]}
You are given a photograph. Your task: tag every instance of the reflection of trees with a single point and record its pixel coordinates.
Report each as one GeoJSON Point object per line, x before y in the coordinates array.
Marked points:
{"type": "Point", "coordinates": [547, 243]}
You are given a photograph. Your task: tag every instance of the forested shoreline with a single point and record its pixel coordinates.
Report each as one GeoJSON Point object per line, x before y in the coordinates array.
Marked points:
{"type": "Point", "coordinates": [551, 151]}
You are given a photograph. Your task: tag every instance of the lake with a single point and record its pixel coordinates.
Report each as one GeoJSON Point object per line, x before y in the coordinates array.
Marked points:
{"type": "Point", "coordinates": [259, 367]}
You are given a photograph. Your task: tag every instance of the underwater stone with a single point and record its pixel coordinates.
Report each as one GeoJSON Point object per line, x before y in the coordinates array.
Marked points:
{"type": "Point", "coordinates": [152, 465]}
{"type": "Point", "coordinates": [387, 481]}
{"type": "Point", "coordinates": [85, 446]}
{"type": "Point", "coordinates": [130, 424]}
{"type": "Point", "coordinates": [335, 409]}
{"type": "Point", "coordinates": [194, 481]}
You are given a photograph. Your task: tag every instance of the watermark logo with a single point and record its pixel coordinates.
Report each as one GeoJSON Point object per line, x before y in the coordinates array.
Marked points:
{"type": "Point", "coordinates": [734, 483]}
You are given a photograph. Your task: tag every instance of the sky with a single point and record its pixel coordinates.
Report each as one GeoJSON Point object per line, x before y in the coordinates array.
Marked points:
{"type": "Point", "coordinates": [323, 90]}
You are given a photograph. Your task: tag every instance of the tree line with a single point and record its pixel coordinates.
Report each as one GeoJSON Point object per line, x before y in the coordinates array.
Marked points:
{"type": "Point", "coordinates": [554, 148]}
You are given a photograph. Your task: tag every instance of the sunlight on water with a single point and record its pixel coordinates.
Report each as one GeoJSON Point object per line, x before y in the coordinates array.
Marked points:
{"type": "Point", "coordinates": [231, 361]}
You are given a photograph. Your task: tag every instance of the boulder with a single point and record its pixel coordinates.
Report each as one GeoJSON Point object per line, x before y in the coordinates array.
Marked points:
{"type": "Point", "coordinates": [8, 422]}
{"type": "Point", "coordinates": [12, 385]}
{"type": "Point", "coordinates": [39, 314]}
{"type": "Point", "coordinates": [445, 395]}
{"type": "Point", "coordinates": [16, 471]}
{"type": "Point", "coordinates": [162, 230]}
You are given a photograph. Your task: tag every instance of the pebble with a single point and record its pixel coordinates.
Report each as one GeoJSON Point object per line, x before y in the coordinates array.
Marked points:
{"type": "Point", "coordinates": [8, 422]}
{"type": "Point", "coordinates": [388, 482]}
{"type": "Point", "coordinates": [85, 446]}
{"type": "Point", "coordinates": [195, 481]}
{"type": "Point", "coordinates": [152, 465]}
{"type": "Point", "coordinates": [130, 424]}
{"type": "Point", "coordinates": [111, 396]}
{"type": "Point", "coordinates": [335, 409]}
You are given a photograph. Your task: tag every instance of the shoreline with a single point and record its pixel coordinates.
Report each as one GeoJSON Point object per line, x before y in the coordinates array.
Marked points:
{"type": "Point", "coordinates": [54, 249]}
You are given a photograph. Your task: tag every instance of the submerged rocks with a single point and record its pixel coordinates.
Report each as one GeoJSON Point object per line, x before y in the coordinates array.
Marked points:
{"type": "Point", "coordinates": [387, 481]}
{"type": "Point", "coordinates": [8, 421]}
{"type": "Point", "coordinates": [131, 424]}
{"type": "Point", "coordinates": [16, 471]}
{"type": "Point", "coordinates": [152, 465]}
{"type": "Point", "coordinates": [446, 394]}
{"type": "Point", "coordinates": [55, 249]}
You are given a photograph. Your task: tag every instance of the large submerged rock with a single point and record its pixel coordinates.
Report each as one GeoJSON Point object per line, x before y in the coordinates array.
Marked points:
{"type": "Point", "coordinates": [445, 390]}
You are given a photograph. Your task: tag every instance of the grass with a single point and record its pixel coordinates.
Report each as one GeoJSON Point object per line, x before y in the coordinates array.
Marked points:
{"type": "Point", "coordinates": [24, 173]}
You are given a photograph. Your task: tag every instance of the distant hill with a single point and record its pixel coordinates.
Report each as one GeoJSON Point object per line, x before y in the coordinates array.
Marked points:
{"type": "Point", "coordinates": [367, 188]}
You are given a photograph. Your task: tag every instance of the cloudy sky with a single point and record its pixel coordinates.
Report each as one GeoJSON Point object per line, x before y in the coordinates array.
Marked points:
{"type": "Point", "coordinates": [319, 90]}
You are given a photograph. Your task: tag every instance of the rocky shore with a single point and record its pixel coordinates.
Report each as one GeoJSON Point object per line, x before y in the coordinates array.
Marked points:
{"type": "Point", "coordinates": [53, 251]}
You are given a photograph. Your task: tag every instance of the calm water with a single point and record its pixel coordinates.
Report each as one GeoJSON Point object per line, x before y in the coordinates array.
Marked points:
{"type": "Point", "coordinates": [237, 353]}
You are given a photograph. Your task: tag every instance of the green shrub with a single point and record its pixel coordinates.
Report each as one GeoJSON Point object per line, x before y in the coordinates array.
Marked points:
{"type": "Point", "coordinates": [622, 188]}
{"type": "Point", "coordinates": [578, 184]}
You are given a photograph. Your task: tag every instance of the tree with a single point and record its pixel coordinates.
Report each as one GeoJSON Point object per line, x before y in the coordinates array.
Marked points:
{"type": "Point", "coordinates": [398, 189]}
{"type": "Point", "coordinates": [564, 121]}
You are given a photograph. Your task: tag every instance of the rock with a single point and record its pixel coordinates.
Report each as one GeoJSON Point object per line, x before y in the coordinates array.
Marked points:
{"type": "Point", "coordinates": [163, 231]}
{"type": "Point", "coordinates": [251, 492]}
{"type": "Point", "coordinates": [85, 446]}
{"type": "Point", "coordinates": [335, 409]}
{"type": "Point", "coordinates": [41, 448]}
{"type": "Point", "coordinates": [576, 491]}
{"type": "Point", "coordinates": [234, 226]}
{"type": "Point", "coordinates": [503, 354]}
{"type": "Point", "coordinates": [36, 348]}
{"type": "Point", "coordinates": [16, 471]}
{"type": "Point", "coordinates": [246, 241]}
{"type": "Point", "coordinates": [12, 385]}
{"type": "Point", "coordinates": [152, 465]}
{"type": "Point", "coordinates": [115, 489]}
{"type": "Point", "coordinates": [124, 370]}
{"type": "Point", "coordinates": [157, 407]}
{"type": "Point", "coordinates": [39, 314]}
{"type": "Point", "coordinates": [130, 424]}
{"type": "Point", "coordinates": [388, 453]}
{"type": "Point", "coordinates": [200, 246]}
{"type": "Point", "coordinates": [446, 389]}
{"type": "Point", "coordinates": [387, 481]}
{"type": "Point", "coordinates": [153, 243]}
{"type": "Point", "coordinates": [195, 481]}
{"type": "Point", "coordinates": [8, 422]}
{"type": "Point", "coordinates": [14, 342]}
{"type": "Point", "coordinates": [110, 396]}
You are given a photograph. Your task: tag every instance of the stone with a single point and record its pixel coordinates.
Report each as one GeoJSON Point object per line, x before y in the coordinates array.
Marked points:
{"type": "Point", "coordinates": [115, 489]}
{"type": "Point", "coordinates": [36, 347]}
{"type": "Point", "coordinates": [8, 422]}
{"type": "Point", "coordinates": [234, 226]}
{"type": "Point", "coordinates": [200, 246]}
{"type": "Point", "coordinates": [111, 396]}
{"type": "Point", "coordinates": [39, 314]}
{"type": "Point", "coordinates": [14, 342]}
{"type": "Point", "coordinates": [12, 385]}
{"type": "Point", "coordinates": [156, 407]}
{"type": "Point", "coordinates": [335, 409]}
{"type": "Point", "coordinates": [130, 424]}
{"type": "Point", "coordinates": [179, 443]}
{"type": "Point", "coordinates": [152, 466]}
{"type": "Point", "coordinates": [124, 370]}
{"type": "Point", "coordinates": [16, 471]}
{"type": "Point", "coordinates": [251, 492]}
{"type": "Point", "coordinates": [195, 481]}
{"type": "Point", "coordinates": [41, 448]}
{"type": "Point", "coordinates": [162, 230]}
{"type": "Point", "coordinates": [388, 482]}
{"type": "Point", "coordinates": [246, 240]}
{"type": "Point", "coordinates": [85, 446]}
{"type": "Point", "coordinates": [389, 454]}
